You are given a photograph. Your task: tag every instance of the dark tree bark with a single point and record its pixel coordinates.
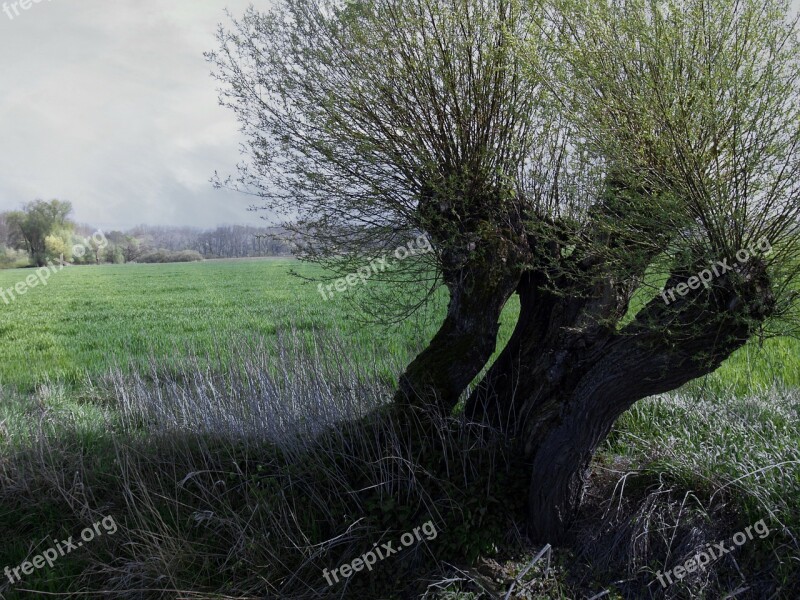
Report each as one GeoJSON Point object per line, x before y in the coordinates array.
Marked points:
{"type": "Point", "coordinates": [462, 346]}
{"type": "Point", "coordinates": [480, 277]}
{"type": "Point", "coordinates": [565, 379]}
{"type": "Point", "coordinates": [481, 235]}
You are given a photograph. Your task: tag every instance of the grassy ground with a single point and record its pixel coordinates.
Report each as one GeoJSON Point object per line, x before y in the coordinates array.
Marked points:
{"type": "Point", "coordinates": [88, 319]}
{"type": "Point", "coordinates": [208, 506]}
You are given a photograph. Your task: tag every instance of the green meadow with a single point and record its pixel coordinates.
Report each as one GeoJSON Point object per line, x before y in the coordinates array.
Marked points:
{"type": "Point", "coordinates": [90, 319]}
{"type": "Point", "coordinates": [707, 460]}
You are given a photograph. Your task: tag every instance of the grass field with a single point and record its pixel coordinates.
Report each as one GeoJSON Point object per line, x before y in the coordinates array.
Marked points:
{"type": "Point", "coordinates": [90, 318]}
{"type": "Point", "coordinates": [209, 514]}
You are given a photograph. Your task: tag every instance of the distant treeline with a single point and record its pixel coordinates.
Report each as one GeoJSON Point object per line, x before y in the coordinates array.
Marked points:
{"type": "Point", "coordinates": [41, 232]}
{"type": "Point", "coordinates": [228, 241]}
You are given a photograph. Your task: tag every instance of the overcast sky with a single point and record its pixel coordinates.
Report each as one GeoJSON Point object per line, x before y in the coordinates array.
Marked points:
{"type": "Point", "coordinates": [109, 104]}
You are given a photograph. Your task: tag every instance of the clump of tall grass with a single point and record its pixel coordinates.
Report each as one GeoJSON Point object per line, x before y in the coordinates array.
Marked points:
{"type": "Point", "coordinates": [284, 389]}
{"type": "Point", "coordinates": [249, 480]}
{"type": "Point", "coordinates": [690, 469]}
{"type": "Point", "coordinates": [722, 446]}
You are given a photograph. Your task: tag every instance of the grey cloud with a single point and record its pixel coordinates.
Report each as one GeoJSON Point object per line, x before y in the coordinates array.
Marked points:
{"type": "Point", "coordinates": [109, 104]}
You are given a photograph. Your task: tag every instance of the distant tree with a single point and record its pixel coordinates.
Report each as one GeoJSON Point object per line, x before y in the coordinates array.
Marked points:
{"type": "Point", "coordinates": [58, 247]}
{"type": "Point", "coordinates": [31, 226]}
{"type": "Point", "coordinates": [95, 249]}
{"type": "Point", "coordinates": [131, 248]}
{"type": "Point", "coordinates": [4, 230]}
{"type": "Point", "coordinates": [113, 254]}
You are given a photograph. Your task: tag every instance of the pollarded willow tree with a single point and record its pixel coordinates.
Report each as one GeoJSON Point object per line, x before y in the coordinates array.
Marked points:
{"type": "Point", "coordinates": [590, 157]}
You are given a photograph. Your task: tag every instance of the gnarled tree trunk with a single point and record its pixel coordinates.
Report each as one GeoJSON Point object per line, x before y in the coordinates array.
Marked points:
{"type": "Point", "coordinates": [462, 346]}
{"type": "Point", "coordinates": [559, 389]}
{"type": "Point", "coordinates": [569, 371]}
{"type": "Point", "coordinates": [482, 266]}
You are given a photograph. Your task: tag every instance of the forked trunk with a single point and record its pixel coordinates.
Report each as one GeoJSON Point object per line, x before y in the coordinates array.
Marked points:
{"type": "Point", "coordinates": [561, 397]}
{"type": "Point", "coordinates": [462, 346]}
